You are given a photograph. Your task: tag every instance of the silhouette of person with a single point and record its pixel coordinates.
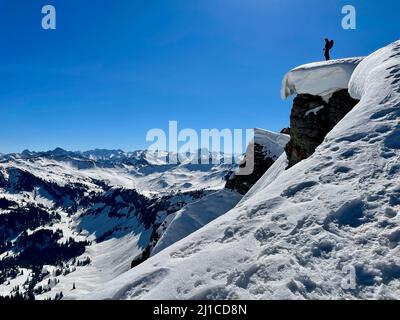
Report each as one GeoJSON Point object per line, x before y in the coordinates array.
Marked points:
{"type": "Point", "coordinates": [328, 47]}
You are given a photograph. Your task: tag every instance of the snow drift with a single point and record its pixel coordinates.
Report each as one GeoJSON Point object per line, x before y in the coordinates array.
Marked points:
{"type": "Point", "coordinates": [295, 237]}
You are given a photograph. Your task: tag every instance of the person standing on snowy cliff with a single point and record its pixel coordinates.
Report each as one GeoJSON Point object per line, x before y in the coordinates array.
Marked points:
{"type": "Point", "coordinates": [328, 47]}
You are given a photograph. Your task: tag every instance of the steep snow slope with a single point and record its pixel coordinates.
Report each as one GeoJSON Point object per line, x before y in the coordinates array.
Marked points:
{"type": "Point", "coordinates": [195, 216]}
{"type": "Point", "coordinates": [319, 78]}
{"type": "Point", "coordinates": [269, 177]}
{"type": "Point", "coordinates": [298, 236]}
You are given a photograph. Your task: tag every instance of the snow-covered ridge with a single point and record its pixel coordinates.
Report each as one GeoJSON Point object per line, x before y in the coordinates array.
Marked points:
{"type": "Point", "coordinates": [363, 81]}
{"type": "Point", "coordinates": [319, 78]}
{"type": "Point", "coordinates": [295, 237]}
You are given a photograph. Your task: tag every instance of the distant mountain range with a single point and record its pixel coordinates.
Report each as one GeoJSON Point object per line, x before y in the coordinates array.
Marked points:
{"type": "Point", "coordinates": [79, 219]}
{"type": "Point", "coordinates": [105, 157]}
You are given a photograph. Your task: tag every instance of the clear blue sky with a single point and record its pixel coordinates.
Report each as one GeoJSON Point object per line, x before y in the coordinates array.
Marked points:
{"type": "Point", "coordinates": [114, 69]}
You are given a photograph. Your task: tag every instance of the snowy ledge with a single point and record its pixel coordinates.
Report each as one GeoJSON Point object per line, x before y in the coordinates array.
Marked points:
{"type": "Point", "coordinates": [320, 78]}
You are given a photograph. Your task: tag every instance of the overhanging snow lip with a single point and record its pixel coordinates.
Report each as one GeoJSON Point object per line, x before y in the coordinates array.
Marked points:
{"type": "Point", "coordinates": [300, 78]}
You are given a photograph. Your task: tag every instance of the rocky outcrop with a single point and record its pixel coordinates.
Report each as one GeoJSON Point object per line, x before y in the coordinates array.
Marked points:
{"type": "Point", "coordinates": [286, 131]}
{"type": "Point", "coordinates": [268, 146]}
{"type": "Point", "coordinates": [312, 118]}
{"type": "Point", "coordinates": [243, 184]}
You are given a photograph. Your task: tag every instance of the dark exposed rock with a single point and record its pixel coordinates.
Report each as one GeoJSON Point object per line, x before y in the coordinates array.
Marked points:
{"type": "Point", "coordinates": [142, 257]}
{"type": "Point", "coordinates": [244, 183]}
{"type": "Point", "coordinates": [312, 119]}
{"type": "Point", "coordinates": [3, 182]}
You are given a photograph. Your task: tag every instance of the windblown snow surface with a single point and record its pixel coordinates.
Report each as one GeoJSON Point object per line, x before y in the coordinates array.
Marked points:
{"type": "Point", "coordinates": [293, 237]}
